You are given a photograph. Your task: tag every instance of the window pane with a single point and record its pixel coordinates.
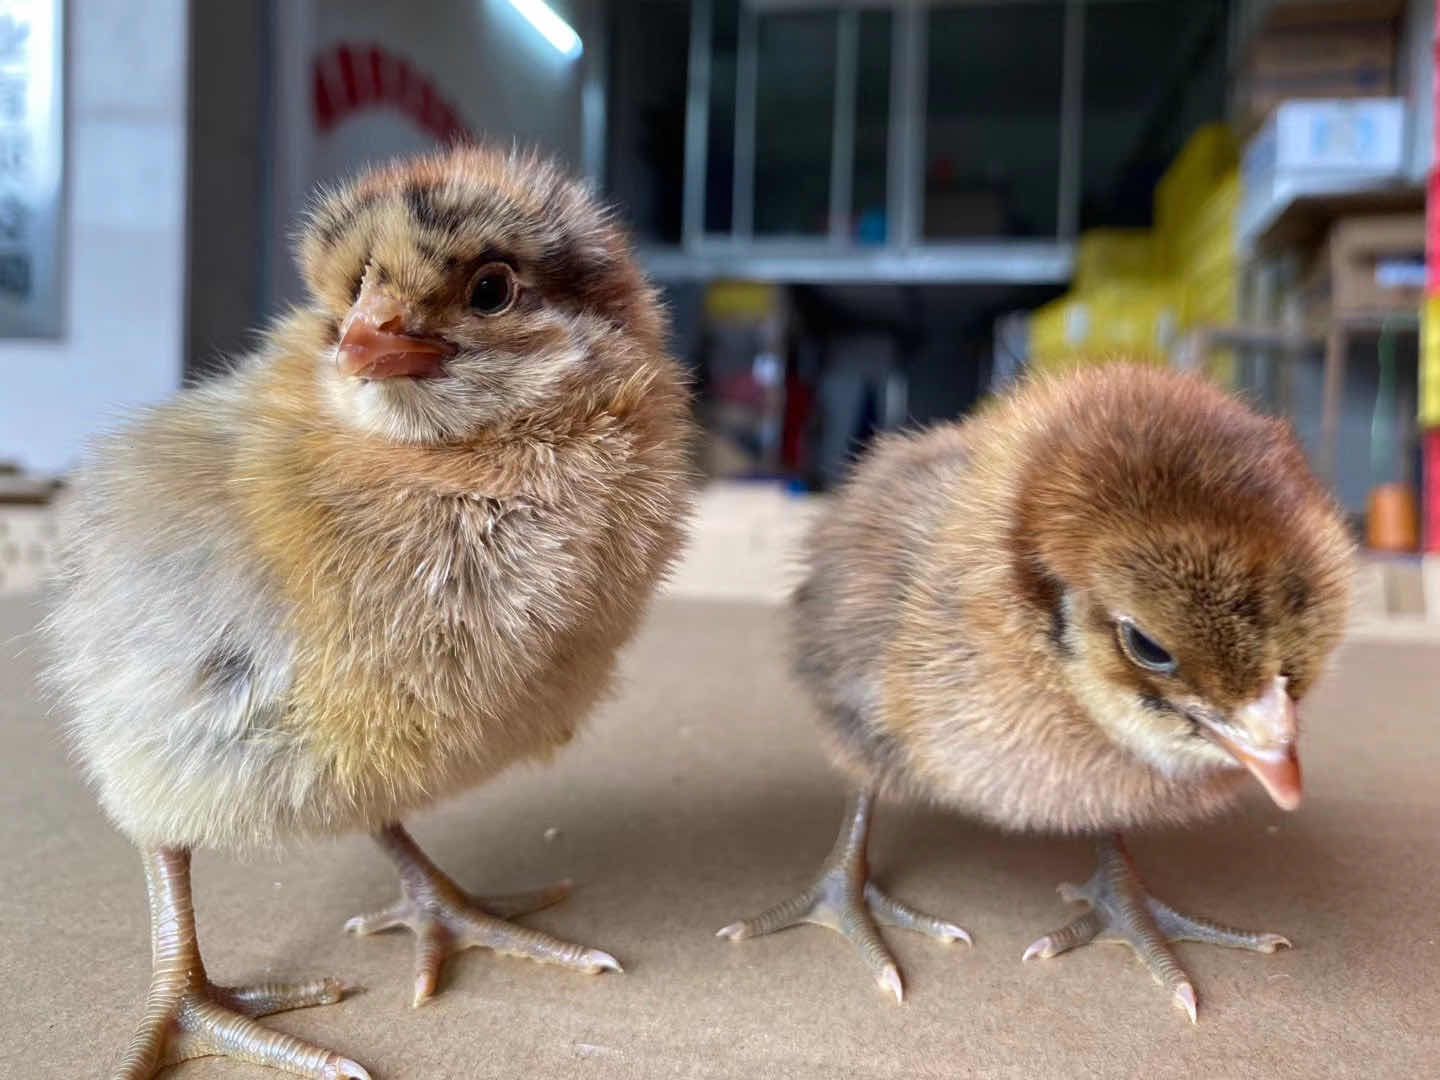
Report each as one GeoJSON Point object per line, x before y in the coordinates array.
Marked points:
{"type": "Point", "coordinates": [1154, 72]}
{"type": "Point", "coordinates": [720, 158]}
{"type": "Point", "coordinates": [992, 131]}
{"type": "Point", "coordinates": [872, 127]}
{"type": "Point", "coordinates": [794, 117]}
{"type": "Point", "coordinates": [646, 123]}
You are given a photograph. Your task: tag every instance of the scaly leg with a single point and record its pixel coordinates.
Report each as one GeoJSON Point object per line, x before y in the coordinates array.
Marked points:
{"type": "Point", "coordinates": [843, 899]}
{"type": "Point", "coordinates": [446, 919]}
{"type": "Point", "coordinates": [187, 1016]}
{"type": "Point", "coordinates": [1123, 912]}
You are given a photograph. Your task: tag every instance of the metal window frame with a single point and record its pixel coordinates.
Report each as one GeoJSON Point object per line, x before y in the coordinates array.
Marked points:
{"type": "Point", "coordinates": [742, 187]}
{"type": "Point", "coordinates": [834, 257]}
{"type": "Point", "coordinates": [697, 124]}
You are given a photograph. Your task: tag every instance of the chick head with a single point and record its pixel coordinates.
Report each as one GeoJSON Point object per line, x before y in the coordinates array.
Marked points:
{"type": "Point", "coordinates": [1196, 572]}
{"type": "Point", "coordinates": [466, 289]}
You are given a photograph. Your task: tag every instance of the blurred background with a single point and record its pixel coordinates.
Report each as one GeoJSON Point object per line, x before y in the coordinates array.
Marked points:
{"type": "Point", "coordinates": [864, 215]}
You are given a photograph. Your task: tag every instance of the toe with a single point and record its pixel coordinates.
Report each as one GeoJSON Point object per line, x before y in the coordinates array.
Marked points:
{"type": "Point", "coordinates": [262, 999]}
{"type": "Point", "coordinates": [431, 948]}
{"type": "Point", "coordinates": [376, 921]}
{"type": "Point", "coordinates": [525, 903]}
{"type": "Point", "coordinates": [1041, 947]}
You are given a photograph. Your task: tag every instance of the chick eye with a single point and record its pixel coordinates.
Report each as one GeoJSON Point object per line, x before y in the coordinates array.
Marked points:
{"type": "Point", "coordinates": [1144, 651]}
{"type": "Point", "coordinates": [494, 289]}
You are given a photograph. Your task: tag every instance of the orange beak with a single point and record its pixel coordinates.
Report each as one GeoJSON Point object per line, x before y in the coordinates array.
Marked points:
{"type": "Point", "coordinates": [373, 346]}
{"type": "Point", "coordinates": [1262, 738]}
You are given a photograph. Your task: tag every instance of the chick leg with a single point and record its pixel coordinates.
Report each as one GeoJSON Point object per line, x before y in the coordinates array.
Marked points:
{"type": "Point", "coordinates": [843, 899]}
{"type": "Point", "coordinates": [446, 919]}
{"type": "Point", "coordinates": [1123, 912]}
{"type": "Point", "coordinates": [188, 1016]}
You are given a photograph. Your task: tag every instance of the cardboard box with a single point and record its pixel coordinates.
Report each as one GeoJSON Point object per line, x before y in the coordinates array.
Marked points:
{"type": "Point", "coordinates": [1365, 136]}
{"type": "Point", "coordinates": [1320, 47]}
{"type": "Point", "coordinates": [1287, 14]}
{"type": "Point", "coordinates": [1266, 96]}
{"type": "Point", "coordinates": [1315, 51]}
{"type": "Point", "coordinates": [1320, 148]}
{"type": "Point", "coordinates": [1350, 268]}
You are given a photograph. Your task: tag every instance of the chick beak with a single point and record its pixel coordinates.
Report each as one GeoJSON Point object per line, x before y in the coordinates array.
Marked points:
{"type": "Point", "coordinates": [1262, 738]}
{"type": "Point", "coordinates": [373, 345]}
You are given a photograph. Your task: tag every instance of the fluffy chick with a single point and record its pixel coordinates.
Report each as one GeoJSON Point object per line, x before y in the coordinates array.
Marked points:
{"type": "Point", "coordinates": [391, 553]}
{"type": "Point", "coordinates": [1092, 606]}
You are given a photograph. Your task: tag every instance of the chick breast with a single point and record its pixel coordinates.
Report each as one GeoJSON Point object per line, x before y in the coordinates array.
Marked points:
{"type": "Point", "coordinates": [269, 625]}
{"type": "Point", "coordinates": [937, 673]}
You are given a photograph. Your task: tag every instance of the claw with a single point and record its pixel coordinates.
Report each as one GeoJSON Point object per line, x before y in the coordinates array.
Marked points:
{"type": "Point", "coordinates": [950, 933]}
{"type": "Point", "coordinates": [1040, 947]}
{"type": "Point", "coordinates": [1185, 1000]}
{"type": "Point", "coordinates": [733, 932]}
{"type": "Point", "coordinates": [602, 961]}
{"type": "Point", "coordinates": [890, 982]}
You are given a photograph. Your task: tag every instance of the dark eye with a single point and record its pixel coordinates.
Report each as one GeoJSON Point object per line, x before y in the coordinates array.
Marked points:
{"type": "Point", "coordinates": [1143, 650]}
{"type": "Point", "coordinates": [494, 289]}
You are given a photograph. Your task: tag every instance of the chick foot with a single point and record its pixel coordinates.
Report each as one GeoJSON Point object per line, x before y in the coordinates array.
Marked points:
{"type": "Point", "coordinates": [1124, 913]}
{"type": "Point", "coordinates": [187, 1016]}
{"type": "Point", "coordinates": [845, 901]}
{"type": "Point", "coordinates": [446, 919]}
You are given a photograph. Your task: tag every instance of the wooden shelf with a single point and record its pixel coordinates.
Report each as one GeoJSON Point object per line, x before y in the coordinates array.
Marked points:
{"type": "Point", "coordinates": [1301, 221]}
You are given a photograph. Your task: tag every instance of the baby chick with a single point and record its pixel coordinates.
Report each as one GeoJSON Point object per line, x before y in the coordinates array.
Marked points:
{"type": "Point", "coordinates": [391, 553]}
{"type": "Point", "coordinates": [1091, 607]}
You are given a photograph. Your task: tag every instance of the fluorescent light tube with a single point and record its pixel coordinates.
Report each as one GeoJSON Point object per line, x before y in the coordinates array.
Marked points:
{"type": "Point", "coordinates": [552, 27]}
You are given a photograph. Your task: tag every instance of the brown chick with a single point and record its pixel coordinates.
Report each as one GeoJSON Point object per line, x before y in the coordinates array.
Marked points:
{"type": "Point", "coordinates": [391, 553]}
{"type": "Point", "coordinates": [1091, 607]}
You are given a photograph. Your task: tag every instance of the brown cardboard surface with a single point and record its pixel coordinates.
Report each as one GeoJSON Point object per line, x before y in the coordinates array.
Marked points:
{"type": "Point", "coordinates": [699, 796]}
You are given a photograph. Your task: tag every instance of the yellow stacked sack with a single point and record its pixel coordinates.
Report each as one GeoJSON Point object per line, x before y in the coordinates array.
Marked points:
{"type": "Point", "coordinates": [1136, 290]}
{"type": "Point", "coordinates": [1196, 205]}
{"type": "Point", "coordinates": [1105, 256]}
{"type": "Point", "coordinates": [1207, 269]}
{"type": "Point", "coordinates": [1184, 194]}
{"type": "Point", "coordinates": [1133, 320]}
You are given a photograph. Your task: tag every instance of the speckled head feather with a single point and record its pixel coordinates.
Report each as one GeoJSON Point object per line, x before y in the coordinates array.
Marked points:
{"type": "Point", "coordinates": [421, 230]}
{"type": "Point", "coordinates": [297, 601]}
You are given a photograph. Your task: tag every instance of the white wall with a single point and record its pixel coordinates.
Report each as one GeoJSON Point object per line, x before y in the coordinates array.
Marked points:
{"type": "Point", "coordinates": [123, 266]}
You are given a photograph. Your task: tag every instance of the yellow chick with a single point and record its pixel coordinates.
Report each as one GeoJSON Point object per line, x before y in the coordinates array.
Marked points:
{"type": "Point", "coordinates": [388, 555]}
